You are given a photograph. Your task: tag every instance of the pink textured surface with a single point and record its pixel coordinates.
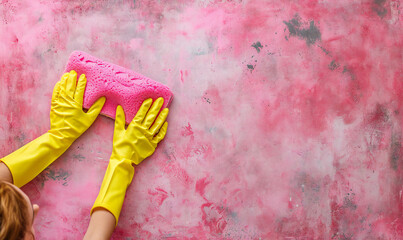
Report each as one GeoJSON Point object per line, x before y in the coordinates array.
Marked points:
{"type": "Point", "coordinates": [119, 85]}
{"type": "Point", "coordinates": [287, 121]}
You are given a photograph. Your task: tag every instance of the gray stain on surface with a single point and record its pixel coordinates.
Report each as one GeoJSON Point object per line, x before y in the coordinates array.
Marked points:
{"type": "Point", "coordinates": [334, 65]}
{"type": "Point", "coordinates": [20, 138]}
{"type": "Point", "coordinates": [379, 8]}
{"type": "Point", "coordinates": [395, 150]}
{"type": "Point", "coordinates": [325, 50]}
{"type": "Point", "coordinates": [79, 157]}
{"type": "Point", "coordinates": [207, 100]}
{"type": "Point", "coordinates": [310, 34]}
{"type": "Point", "coordinates": [257, 45]}
{"type": "Point", "coordinates": [346, 70]}
{"type": "Point", "coordinates": [58, 175]}
{"type": "Point", "coordinates": [349, 202]}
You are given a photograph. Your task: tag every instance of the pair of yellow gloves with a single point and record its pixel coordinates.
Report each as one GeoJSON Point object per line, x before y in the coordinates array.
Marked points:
{"type": "Point", "coordinates": [68, 121]}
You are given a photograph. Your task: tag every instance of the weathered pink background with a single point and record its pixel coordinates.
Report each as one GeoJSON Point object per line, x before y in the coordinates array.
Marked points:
{"type": "Point", "coordinates": [286, 122]}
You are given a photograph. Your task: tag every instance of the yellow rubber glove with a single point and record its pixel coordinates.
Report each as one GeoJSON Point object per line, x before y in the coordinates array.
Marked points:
{"type": "Point", "coordinates": [131, 145]}
{"type": "Point", "coordinates": [67, 122]}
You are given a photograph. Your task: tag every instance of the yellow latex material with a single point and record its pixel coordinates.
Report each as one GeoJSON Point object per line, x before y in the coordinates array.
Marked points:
{"type": "Point", "coordinates": [131, 145]}
{"type": "Point", "coordinates": [67, 122]}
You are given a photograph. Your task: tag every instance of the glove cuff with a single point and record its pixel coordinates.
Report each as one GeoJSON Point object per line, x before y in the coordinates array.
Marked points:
{"type": "Point", "coordinates": [118, 177]}
{"type": "Point", "coordinates": [31, 159]}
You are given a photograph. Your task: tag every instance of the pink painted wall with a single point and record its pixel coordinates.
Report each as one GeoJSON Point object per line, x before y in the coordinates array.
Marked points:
{"type": "Point", "coordinates": [286, 122]}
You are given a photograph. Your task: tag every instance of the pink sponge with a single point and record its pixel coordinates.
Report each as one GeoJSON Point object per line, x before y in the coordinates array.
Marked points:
{"type": "Point", "coordinates": [119, 85]}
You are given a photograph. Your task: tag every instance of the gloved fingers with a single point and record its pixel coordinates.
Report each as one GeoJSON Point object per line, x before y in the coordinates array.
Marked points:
{"type": "Point", "coordinates": [120, 119]}
{"type": "Point", "coordinates": [96, 108]}
{"type": "Point", "coordinates": [62, 92]}
{"type": "Point", "coordinates": [56, 91]}
{"type": "Point", "coordinates": [63, 81]}
{"type": "Point", "coordinates": [153, 112]}
{"type": "Point", "coordinates": [71, 84]}
{"type": "Point", "coordinates": [141, 113]}
{"type": "Point", "coordinates": [79, 94]}
{"type": "Point", "coordinates": [161, 134]}
{"type": "Point", "coordinates": [159, 121]}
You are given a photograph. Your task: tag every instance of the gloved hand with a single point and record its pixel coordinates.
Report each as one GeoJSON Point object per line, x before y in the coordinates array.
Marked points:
{"type": "Point", "coordinates": [139, 140]}
{"type": "Point", "coordinates": [67, 118]}
{"type": "Point", "coordinates": [131, 145]}
{"type": "Point", "coordinates": [67, 122]}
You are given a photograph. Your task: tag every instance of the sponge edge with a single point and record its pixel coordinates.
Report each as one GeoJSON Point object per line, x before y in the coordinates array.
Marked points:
{"type": "Point", "coordinates": [119, 85]}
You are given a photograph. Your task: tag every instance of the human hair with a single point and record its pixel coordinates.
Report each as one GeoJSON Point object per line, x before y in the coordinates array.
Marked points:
{"type": "Point", "coordinates": [13, 213]}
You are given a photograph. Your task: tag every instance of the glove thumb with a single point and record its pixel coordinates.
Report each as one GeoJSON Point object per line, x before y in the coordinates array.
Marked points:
{"type": "Point", "coordinates": [96, 108]}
